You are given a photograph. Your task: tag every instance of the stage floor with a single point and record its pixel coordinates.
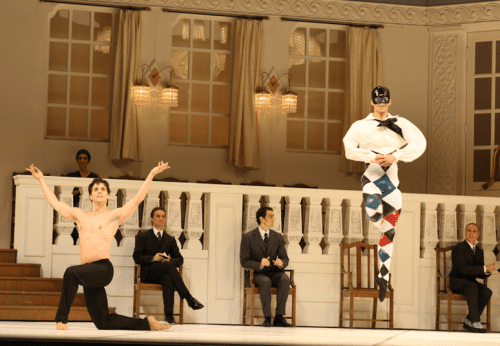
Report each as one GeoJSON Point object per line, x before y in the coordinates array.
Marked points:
{"type": "Point", "coordinates": [200, 334]}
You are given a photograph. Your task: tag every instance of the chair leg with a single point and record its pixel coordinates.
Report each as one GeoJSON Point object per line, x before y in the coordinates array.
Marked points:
{"type": "Point", "coordinates": [374, 313]}
{"type": "Point", "coordinates": [438, 305]}
{"type": "Point", "coordinates": [294, 304]}
{"type": "Point", "coordinates": [244, 307]}
{"type": "Point", "coordinates": [351, 313]}
{"type": "Point", "coordinates": [137, 302]}
{"type": "Point", "coordinates": [181, 311]}
{"type": "Point", "coordinates": [488, 316]}
{"type": "Point", "coordinates": [341, 311]}
{"type": "Point", "coordinates": [449, 315]}
{"type": "Point", "coordinates": [391, 317]}
{"type": "Point", "coordinates": [252, 309]}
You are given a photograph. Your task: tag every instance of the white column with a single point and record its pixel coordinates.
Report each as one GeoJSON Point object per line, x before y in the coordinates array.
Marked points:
{"type": "Point", "coordinates": [293, 224]}
{"type": "Point", "coordinates": [429, 232]}
{"type": "Point", "coordinates": [130, 227]}
{"type": "Point", "coordinates": [466, 215]}
{"type": "Point", "coordinates": [63, 226]}
{"type": "Point", "coordinates": [353, 230]}
{"type": "Point", "coordinates": [250, 207]}
{"type": "Point", "coordinates": [274, 202]}
{"type": "Point", "coordinates": [487, 236]}
{"type": "Point", "coordinates": [447, 222]}
{"type": "Point", "coordinates": [313, 229]}
{"type": "Point", "coordinates": [193, 225]}
{"type": "Point", "coordinates": [174, 216]}
{"type": "Point", "coordinates": [151, 201]}
{"type": "Point", "coordinates": [333, 226]}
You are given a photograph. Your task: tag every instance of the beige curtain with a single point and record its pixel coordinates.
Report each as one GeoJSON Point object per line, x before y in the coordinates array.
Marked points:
{"type": "Point", "coordinates": [364, 74]}
{"type": "Point", "coordinates": [124, 135]}
{"type": "Point", "coordinates": [243, 137]}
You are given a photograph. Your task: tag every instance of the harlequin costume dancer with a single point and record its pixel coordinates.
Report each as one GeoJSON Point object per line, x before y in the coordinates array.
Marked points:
{"type": "Point", "coordinates": [381, 140]}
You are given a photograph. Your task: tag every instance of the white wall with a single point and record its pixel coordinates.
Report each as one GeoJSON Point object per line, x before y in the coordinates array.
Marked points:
{"type": "Point", "coordinates": [23, 95]}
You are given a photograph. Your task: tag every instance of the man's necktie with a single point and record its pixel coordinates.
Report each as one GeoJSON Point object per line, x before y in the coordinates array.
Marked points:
{"type": "Point", "coordinates": [159, 237]}
{"type": "Point", "coordinates": [266, 238]}
{"type": "Point", "coordinates": [474, 249]}
{"type": "Point", "coordinates": [389, 123]}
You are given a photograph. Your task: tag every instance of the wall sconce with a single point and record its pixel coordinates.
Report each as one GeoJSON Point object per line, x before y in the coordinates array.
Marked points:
{"type": "Point", "coordinates": [263, 98]}
{"type": "Point", "coordinates": [142, 93]}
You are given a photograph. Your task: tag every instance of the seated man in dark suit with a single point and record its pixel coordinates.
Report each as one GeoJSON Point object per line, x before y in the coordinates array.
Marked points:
{"type": "Point", "coordinates": [264, 250]}
{"type": "Point", "coordinates": [467, 265]}
{"type": "Point", "coordinates": [159, 256]}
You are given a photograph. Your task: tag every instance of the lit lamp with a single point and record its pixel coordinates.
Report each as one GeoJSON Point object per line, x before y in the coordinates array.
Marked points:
{"type": "Point", "coordinates": [262, 101]}
{"type": "Point", "coordinates": [288, 102]}
{"type": "Point", "coordinates": [142, 94]}
{"type": "Point", "coordinates": [289, 99]}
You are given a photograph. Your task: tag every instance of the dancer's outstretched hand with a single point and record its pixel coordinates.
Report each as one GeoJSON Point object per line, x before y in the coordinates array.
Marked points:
{"type": "Point", "coordinates": [35, 172]}
{"type": "Point", "coordinates": [160, 168]}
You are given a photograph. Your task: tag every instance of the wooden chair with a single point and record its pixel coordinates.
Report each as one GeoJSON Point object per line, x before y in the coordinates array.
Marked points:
{"type": "Point", "coordinates": [139, 287]}
{"type": "Point", "coordinates": [356, 287]}
{"type": "Point", "coordinates": [444, 292]}
{"type": "Point", "coordinates": [254, 291]}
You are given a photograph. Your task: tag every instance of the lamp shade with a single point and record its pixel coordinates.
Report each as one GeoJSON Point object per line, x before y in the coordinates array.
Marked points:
{"type": "Point", "coordinates": [262, 101]}
{"type": "Point", "coordinates": [141, 94]}
{"type": "Point", "coordinates": [170, 96]}
{"type": "Point", "coordinates": [289, 102]}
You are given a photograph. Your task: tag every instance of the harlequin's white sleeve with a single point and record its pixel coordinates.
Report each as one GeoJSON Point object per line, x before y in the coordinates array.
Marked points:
{"type": "Point", "coordinates": [415, 139]}
{"type": "Point", "coordinates": [351, 145]}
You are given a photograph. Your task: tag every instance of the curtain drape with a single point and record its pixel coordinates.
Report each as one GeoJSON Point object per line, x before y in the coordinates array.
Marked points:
{"type": "Point", "coordinates": [124, 130]}
{"type": "Point", "coordinates": [247, 70]}
{"type": "Point", "coordinates": [364, 74]}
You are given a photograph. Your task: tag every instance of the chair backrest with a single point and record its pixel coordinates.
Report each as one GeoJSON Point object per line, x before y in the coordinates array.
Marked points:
{"type": "Point", "coordinates": [356, 264]}
{"type": "Point", "coordinates": [443, 257]}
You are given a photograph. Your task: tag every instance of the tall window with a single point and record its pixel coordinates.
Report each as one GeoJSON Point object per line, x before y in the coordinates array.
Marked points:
{"type": "Point", "coordinates": [202, 61]}
{"type": "Point", "coordinates": [483, 106]}
{"type": "Point", "coordinates": [81, 51]}
{"type": "Point", "coordinates": [319, 79]}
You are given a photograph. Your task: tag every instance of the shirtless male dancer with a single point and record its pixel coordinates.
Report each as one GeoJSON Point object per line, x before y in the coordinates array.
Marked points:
{"type": "Point", "coordinates": [96, 230]}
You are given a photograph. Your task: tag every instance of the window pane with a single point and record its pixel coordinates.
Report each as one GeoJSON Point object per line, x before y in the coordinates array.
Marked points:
{"type": "Point", "coordinates": [102, 27]}
{"type": "Point", "coordinates": [81, 25]}
{"type": "Point", "coordinates": [79, 91]}
{"type": "Point", "coordinates": [101, 62]}
{"type": "Point", "coordinates": [315, 136]}
{"type": "Point", "coordinates": [99, 124]}
{"type": "Point", "coordinates": [199, 129]}
{"type": "Point", "coordinates": [80, 57]}
{"type": "Point", "coordinates": [497, 129]}
{"type": "Point", "coordinates": [337, 75]}
{"type": "Point", "coordinates": [178, 128]}
{"type": "Point", "coordinates": [337, 43]}
{"type": "Point", "coordinates": [482, 129]}
{"type": "Point", "coordinates": [317, 72]}
{"type": "Point", "coordinates": [59, 25]}
{"type": "Point", "coordinates": [498, 57]}
{"type": "Point", "coordinates": [180, 64]}
{"type": "Point", "coordinates": [220, 131]}
{"type": "Point", "coordinates": [180, 34]}
{"type": "Point", "coordinates": [301, 104]}
{"type": "Point", "coordinates": [183, 96]}
{"type": "Point", "coordinates": [483, 57]}
{"type": "Point", "coordinates": [78, 122]}
{"type": "Point", "coordinates": [200, 98]}
{"type": "Point", "coordinates": [316, 105]}
{"type": "Point", "coordinates": [336, 106]}
{"type": "Point", "coordinates": [221, 67]}
{"type": "Point", "coordinates": [57, 89]}
{"type": "Point", "coordinates": [317, 42]}
{"type": "Point", "coordinates": [201, 66]}
{"type": "Point", "coordinates": [334, 139]}
{"type": "Point", "coordinates": [100, 91]}
{"type": "Point", "coordinates": [482, 93]}
{"type": "Point", "coordinates": [221, 99]}
{"type": "Point", "coordinates": [56, 121]}
{"type": "Point", "coordinates": [295, 135]}
{"type": "Point", "coordinates": [481, 165]}
{"type": "Point", "coordinates": [222, 38]}
{"type": "Point", "coordinates": [58, 56]}
{"type": "Point", "coordinates": [497, 92]}
{"type": "Point", "coordinates": [297, 42]}
{"type": "Point", "coordinates": [201, 34]}
{"type": "Point", "coordinates": [297, 68]}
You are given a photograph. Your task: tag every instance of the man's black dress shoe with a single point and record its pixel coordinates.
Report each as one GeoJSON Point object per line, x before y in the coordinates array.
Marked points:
{"type": "Point", "coordinates": [170, 319]}
{"type": "Point", "coordinates": [382, 288]}
{"type": "Point", "coordinates": [267, 322]}
{"type": "Point", "coordinates": [194, 304]}
{"type": "Point", "coordinates": [279, 321]}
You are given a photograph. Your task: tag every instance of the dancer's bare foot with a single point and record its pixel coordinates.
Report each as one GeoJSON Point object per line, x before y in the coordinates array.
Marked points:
{"type": "Point", "coordinates": [61, 326]}
{"type": "Point", "coordinates": [155, 325]}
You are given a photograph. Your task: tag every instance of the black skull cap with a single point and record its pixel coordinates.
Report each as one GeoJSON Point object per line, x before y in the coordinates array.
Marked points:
{"type": "Point", "coordinates": [380, 91]}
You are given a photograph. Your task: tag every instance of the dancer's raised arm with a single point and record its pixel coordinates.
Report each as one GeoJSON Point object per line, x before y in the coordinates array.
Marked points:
{"type": "Point", "coordinates": [123, 213]}
{"type": "Point", "coordinates": [65, 210]}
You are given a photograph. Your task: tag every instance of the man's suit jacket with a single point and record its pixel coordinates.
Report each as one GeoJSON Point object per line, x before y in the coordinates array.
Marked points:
{"type": "Point", "coordinates": [253, 249]}
{"type": "Point", "coordinates": [466, 264]}
{"type": "Point", "coordinates": [147, 246]}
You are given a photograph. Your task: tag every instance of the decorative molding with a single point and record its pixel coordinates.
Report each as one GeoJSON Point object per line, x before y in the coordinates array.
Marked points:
{"type": "Point", "coordinates": [345, 11]}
